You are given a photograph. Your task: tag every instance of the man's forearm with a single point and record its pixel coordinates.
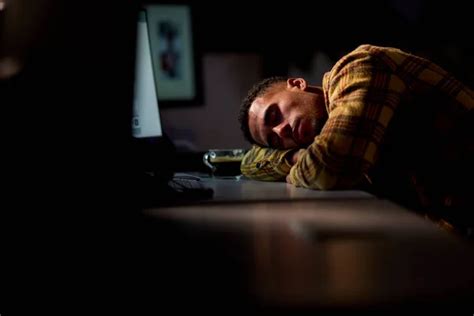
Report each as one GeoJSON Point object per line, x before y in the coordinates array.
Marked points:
{"type": "Point", "coordinates": [268, 164]}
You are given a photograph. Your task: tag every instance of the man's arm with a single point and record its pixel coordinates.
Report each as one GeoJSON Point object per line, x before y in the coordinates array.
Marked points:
{"type": "Point", "coordinates": [363, 95]}
{"type": "Point", "coordinates": [268, 164]}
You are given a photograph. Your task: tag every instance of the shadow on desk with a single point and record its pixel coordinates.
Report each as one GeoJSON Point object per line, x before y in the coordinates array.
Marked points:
{"type": "Point", "coordinates": [330, 255]}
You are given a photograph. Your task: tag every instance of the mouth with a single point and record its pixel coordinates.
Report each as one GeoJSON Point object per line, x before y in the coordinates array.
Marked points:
{"type": "Point", "coordinates": [302, 132]}
{"type": "Point", "coordinates": [296, 132]}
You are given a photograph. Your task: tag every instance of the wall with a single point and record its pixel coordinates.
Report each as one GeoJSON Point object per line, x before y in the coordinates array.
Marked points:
{"type": "Point", "coordinates": [226, 80]}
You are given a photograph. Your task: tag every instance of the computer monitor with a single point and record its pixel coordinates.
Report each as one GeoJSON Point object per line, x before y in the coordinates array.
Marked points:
{"type": "Point", "coordinates": [153, 151]}
{"type": "Point", "coordinates": [146, 120]}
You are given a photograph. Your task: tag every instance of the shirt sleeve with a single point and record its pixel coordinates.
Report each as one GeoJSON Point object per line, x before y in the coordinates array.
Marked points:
{"type": "Point", "coordinates": [266, 164]}
{"type": "Point", "coordinates": [363, 93]}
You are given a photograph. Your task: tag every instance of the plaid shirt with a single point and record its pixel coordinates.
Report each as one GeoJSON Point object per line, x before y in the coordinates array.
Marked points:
{"type": "Point", "coordinates": [395, 121]}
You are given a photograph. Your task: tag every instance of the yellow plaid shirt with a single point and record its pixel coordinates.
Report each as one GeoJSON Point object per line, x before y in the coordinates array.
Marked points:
{"type": "Point", "coordinates": [393, 117]}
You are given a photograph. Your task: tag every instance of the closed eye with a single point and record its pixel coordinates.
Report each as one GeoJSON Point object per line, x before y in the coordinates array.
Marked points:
{"type": "Point", "coordinates": [272, 116]}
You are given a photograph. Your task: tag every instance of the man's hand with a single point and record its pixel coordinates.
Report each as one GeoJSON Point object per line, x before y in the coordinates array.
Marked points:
{"type": "Point", "coordinates": [293, 159]}
{"type": "Point", "coordinates": [294, 156]}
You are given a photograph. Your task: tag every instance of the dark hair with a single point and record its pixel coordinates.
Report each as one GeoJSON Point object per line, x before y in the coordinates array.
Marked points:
{"type": "Point", "coordinates": [256, 91]}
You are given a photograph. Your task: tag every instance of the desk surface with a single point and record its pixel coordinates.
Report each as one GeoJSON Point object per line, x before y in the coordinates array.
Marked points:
{"type": "Point", "coordinates": [245, 190]}
{"type": "Point", "coordinates": [313, 250]}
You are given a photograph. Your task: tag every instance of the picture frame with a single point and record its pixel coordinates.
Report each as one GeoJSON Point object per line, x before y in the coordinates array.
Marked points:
{"type": "Point", "coordinates": [174, 56]}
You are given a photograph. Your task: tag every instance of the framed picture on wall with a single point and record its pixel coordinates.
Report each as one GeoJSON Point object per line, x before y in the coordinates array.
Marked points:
{"type": "Point", "coordinates": [175, 60]}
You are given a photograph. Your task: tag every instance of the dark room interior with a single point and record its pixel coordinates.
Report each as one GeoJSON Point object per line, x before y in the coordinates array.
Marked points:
{"type": "Point", "coordinates": [78, 234]}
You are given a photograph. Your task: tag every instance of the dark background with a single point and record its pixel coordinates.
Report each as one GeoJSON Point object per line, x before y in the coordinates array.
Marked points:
{"type": "Point", "coordinates": [293, 31]}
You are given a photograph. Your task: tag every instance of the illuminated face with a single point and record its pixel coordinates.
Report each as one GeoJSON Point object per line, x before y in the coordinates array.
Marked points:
{"type": "Point", "coordinates": [287, 115]}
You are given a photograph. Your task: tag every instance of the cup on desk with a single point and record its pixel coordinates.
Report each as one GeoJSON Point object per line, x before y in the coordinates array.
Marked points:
{"type": "Point", "coordinates": [224, 162]}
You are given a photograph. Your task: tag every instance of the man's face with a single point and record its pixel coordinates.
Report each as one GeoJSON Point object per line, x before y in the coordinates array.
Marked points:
{"type": "Point", "coordinates": [287, 116]}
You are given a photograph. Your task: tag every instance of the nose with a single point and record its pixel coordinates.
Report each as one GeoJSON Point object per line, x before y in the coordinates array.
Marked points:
{"type": "Point", "coordinates": [283, 129]}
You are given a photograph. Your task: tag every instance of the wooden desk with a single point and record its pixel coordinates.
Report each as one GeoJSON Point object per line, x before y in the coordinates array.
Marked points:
{"type": "Point", "coordinates": [281, 248]}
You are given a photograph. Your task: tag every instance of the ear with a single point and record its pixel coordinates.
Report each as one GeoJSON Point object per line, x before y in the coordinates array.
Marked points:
{"type": "Point", "coordinates": [298, 83]}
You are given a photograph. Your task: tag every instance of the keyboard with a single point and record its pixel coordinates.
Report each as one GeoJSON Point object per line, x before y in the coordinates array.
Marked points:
{"type": "Point", "coordinates": [189, 188]}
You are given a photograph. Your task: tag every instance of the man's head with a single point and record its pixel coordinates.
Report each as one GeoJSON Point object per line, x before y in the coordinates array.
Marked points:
{"type": "Point", "coordinates": [283, 113]}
